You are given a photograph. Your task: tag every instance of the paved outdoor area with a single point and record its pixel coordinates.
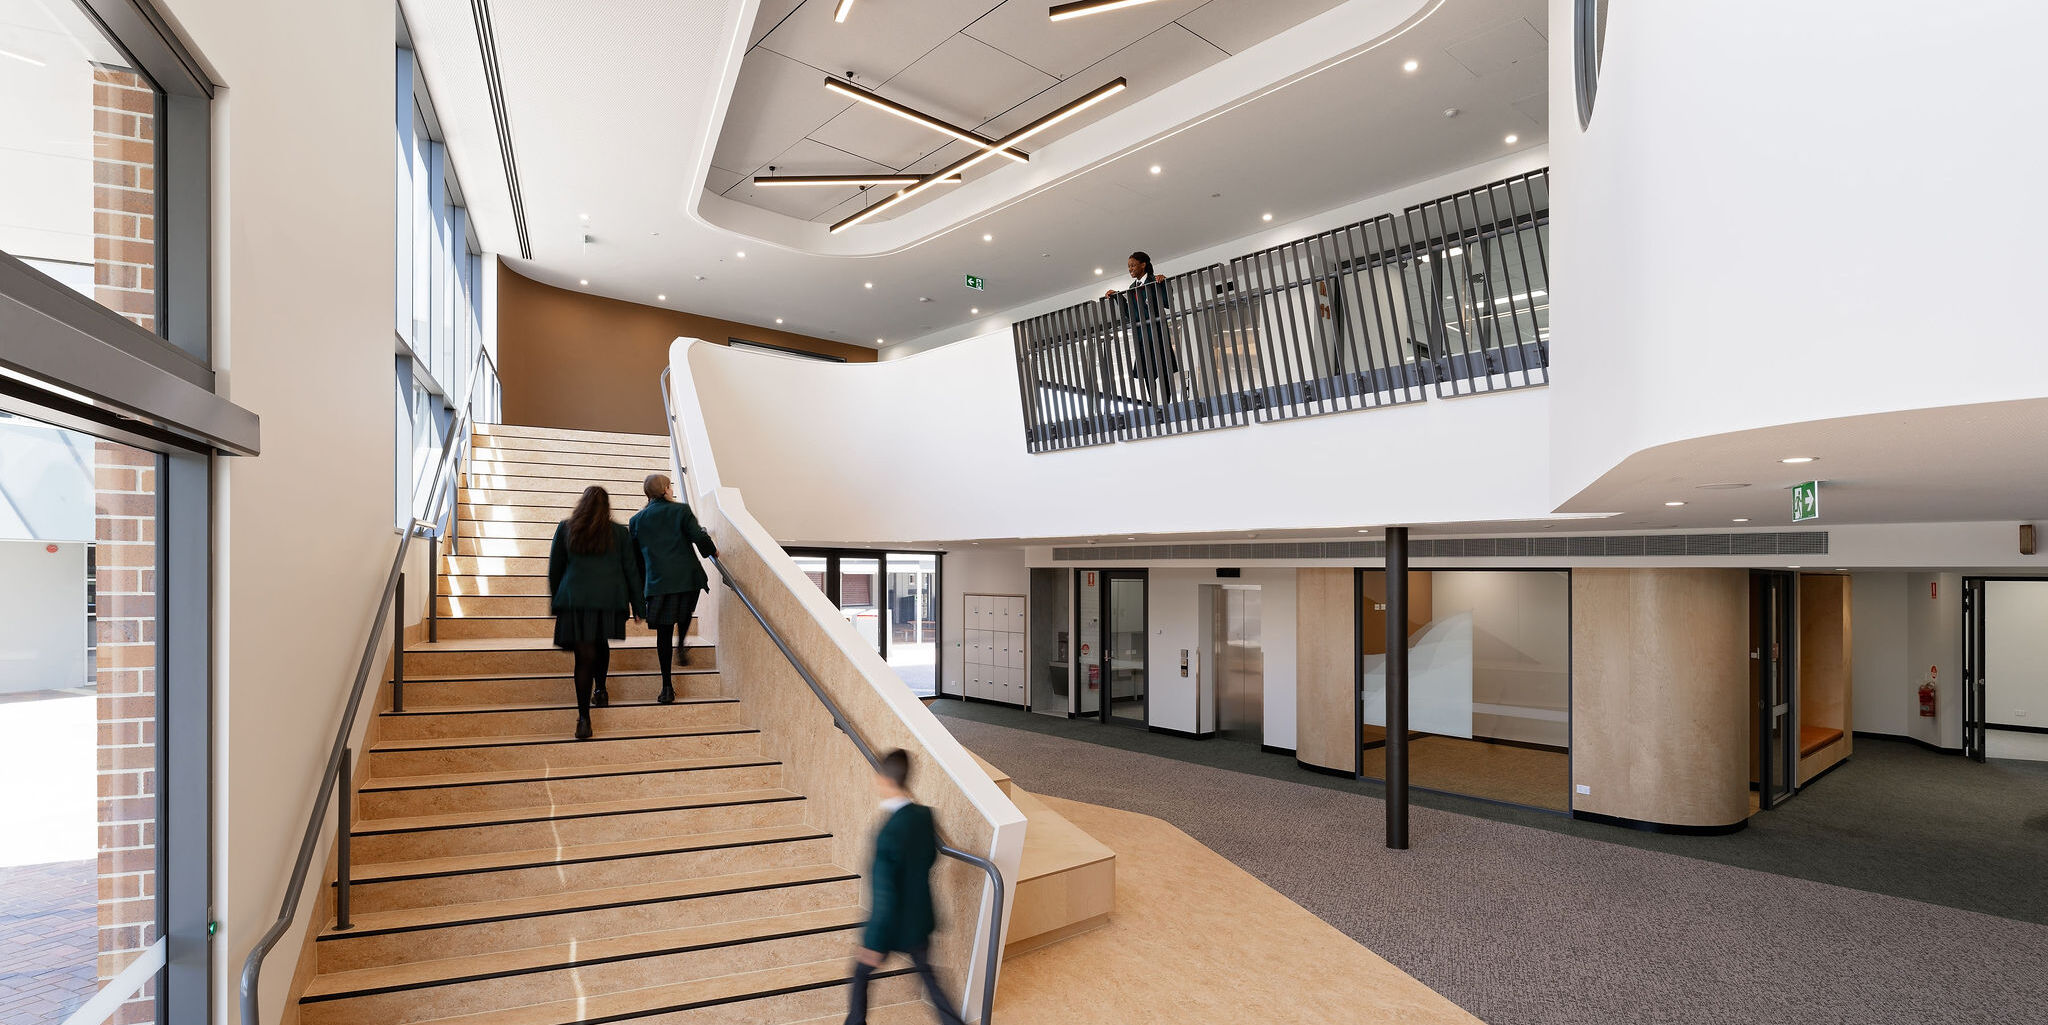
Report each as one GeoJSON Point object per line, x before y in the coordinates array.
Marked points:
{"type": "Point", "coordinates": [49, 881]}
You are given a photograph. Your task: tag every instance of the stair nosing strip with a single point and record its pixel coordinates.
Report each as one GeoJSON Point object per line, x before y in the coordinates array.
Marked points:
{"type": "Point", "coordinates": [614, 674]}
{"type": "Point", "coordinates": [488, 710]}
{"type": "Point", "coordinates": [576, 963]}
{"type": "Point", "coordinates": [591, 860]}
{"type": "Point", "coordinates": [531, 819]}
{"type": "Point", "coordinates": [372, 788]}
{"type": "Point", "coordinates": [601, 737]}
{"type": "Point", "coordinates": [648, 1012]}
{"type": "Point", "coordinates": [354, 933]}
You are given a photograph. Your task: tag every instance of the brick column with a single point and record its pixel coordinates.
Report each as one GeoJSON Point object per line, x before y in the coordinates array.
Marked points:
{"type": "Point", "coordinates": [124, 534]}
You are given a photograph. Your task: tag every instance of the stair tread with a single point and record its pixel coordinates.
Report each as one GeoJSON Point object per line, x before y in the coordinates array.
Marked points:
{"type": "Point", "coordinates": [565, 737]}
{"type": "Point", "coordinates": [578, 952]}
{"type": "Point", "coordinates": [591, 809]}
{"type": "Point", "coordinates": [379, 784]}
{"type": "Point", "coordinates": [411, 679]}
{"type": "Point", "coordinates": [549, 706]}
{"type": "Point", "coordinates": [643, 846]}
{"type": "Point", "coordinates": [522, 644]}
{"type": "Point", "coordinates": [675, 996]}
{"type": "Point", "coordinates": [444, 915]}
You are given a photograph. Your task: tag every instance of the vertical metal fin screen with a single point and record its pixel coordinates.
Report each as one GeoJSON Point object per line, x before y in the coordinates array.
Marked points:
{"type": "Point", "coordinates": [1450, 295]}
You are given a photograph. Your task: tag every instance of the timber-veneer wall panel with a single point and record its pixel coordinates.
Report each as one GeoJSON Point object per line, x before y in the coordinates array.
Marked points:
{"type": "Point", "coordinates": [1326, 706]}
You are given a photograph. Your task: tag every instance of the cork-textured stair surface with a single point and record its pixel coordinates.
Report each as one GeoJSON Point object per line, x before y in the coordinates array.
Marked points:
{"type": "Point", "coordinates": [505, 873]}
{"type": "Point", "coordinates": [1066, 880]}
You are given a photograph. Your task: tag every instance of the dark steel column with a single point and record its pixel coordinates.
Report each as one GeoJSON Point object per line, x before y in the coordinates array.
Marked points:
{"type": "Point", "coordinates": [1397, 688]}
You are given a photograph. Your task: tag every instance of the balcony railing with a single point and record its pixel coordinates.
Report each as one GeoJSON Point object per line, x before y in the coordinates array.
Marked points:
{"type": "Point", "coordinates": [1450, 296]}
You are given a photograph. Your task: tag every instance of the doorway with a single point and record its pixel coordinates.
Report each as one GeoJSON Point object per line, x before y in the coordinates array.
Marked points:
{"type": "Point", "coordinates": [892, 600]}
{"type": "Point", "coordinates": [1234, 662]}
{"type": "Point", "coordinates": [1774, 757]}
{"type": "Point", "coordinates": [1114, 650]}
{"type": "Point", "coordinates": [2005, 668]}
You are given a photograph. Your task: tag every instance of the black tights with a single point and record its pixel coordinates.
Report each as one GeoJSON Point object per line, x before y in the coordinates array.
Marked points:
{"type": "Point", "coordinates": [593, 662]}
{"type": "Point", "coordinates": [665, 639]}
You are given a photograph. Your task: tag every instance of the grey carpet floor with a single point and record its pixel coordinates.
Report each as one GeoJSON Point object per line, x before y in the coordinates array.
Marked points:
{"type": "Point", "coordinates": [1896, 818]}
{"type": "Point", "coordinates": [1531, 925]}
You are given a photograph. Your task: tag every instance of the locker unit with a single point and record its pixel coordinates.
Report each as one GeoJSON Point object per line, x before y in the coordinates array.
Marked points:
{"type": "Point", "coordinates": [994, 653]}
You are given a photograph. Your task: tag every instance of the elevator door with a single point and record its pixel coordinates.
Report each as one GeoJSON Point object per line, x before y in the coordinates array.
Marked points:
{"type": "Point", "coordinates": [1240, 662]}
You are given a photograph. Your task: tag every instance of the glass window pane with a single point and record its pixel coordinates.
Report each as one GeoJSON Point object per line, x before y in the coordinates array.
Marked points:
{"type": "Point", "coordinates": [78, 158]}
{"type": "Point", "coordinates": [860, 597]}
{"type": "Point", "coordinates": [78, 718]}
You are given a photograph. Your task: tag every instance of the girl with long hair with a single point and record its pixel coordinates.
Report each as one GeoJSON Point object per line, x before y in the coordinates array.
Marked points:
{"type": "Point", "coordinates": [595, 577]}
{"type": "Point", "coordinates": [664, 532]}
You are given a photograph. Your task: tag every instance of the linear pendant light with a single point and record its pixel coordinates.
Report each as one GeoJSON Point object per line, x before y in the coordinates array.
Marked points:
{"type": "Point", "coordinates": [840, 14]}
{"type": "Point", "coordinates": [1100, 94]}
{"type": "Point", "coordinates": [854, 92]}
{"type": "Point", "coordinates": [1081, 8]}
{"type": "Point", "coordinates": [845, 179]}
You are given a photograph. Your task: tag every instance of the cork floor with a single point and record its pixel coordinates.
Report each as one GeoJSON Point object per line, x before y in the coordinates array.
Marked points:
{"type": "Point", "coordinates": [1194, 938]}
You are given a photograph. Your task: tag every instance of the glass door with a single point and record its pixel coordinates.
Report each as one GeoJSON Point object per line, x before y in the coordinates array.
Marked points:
{"type": "Point", "coordinates": [912, 619]}
{"type": "Point", "coordinates": [1124, 647]}
{"type": "Point", "coordinates": [1771, 657]}
{"type": "Point", "coordinates": [860, 599]}
{"type": "Point", "coordinates": [1974, 740]}
{"type": "Point", "coordinates": [1088, 651]}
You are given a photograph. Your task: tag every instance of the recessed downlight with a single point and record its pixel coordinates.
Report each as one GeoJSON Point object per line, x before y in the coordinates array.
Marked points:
{"type": "Point", "coordinates": [1674, 504]}
{"type": "Point", "coordinates": [583, 217]}
{"type": "Point", "coordinates": [1410, 66]}
{"type": "Point", "coordinates": [976, 310]}
{"type": "Point", "coordinates": [1098, 272]}
{"type": "Point", "coordinates": [1155, 168]}
{"type": "Point", "coordinates": [878, 341]}
{"type": "Point", "coordinates": [661, 298]}
{"type": "Point", "coordinates": [742, 254]}
{"type": "Point", "coordinates": [988, 238]}
{"type": "Point", "coordinates": [1266, 217]}
{"type": "Point", "coordinates": [1512, 139]}
{"type": "Point", "coordinates": [1741, 519]}
{"type": "Point", "coordinates": [778, 320]}
{"type": "Point", "coordinates": [867, 284]}
{"type": "Point", "coordinates": [1799, 459]}
{"type": "Point", "coordinates": [583, 281]}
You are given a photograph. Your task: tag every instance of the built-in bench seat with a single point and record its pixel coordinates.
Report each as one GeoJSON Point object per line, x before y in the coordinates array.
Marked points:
{"type": "Point", "coordinates": [1813, 738]}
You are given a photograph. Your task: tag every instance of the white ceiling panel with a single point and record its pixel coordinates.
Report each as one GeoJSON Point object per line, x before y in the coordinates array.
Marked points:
{"type": "Point", "coordinates": [1157, 61]}
{"type": "Point", "coordinates": [878, 39]}
{"type": "Point", "coordinates": [1235, 27]}
{"type": "Point", "coordinates": [771, 14]}
{"type": "Point", "coordinates": [1536, 108]}
{"type": "Point", "coordinates": [1499, 48]}
{"type": "Point", "coordinates": [882, 138]}
{"type": "Point", "coordinates": [776, 102]}
{"type": "Point", "coordinates": [966, 81]}
{"type": "Point", "coordinates": [1064, 48]}
{"type": "Point", "coordinates": [720, 179]}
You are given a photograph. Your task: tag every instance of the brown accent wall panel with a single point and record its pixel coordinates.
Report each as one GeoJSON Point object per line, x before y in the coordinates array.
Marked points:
{"type": "Point", "coordinates": [571, 359]}
{"type": "Point", "coordinates": [1660, 687]}
{"type": "Point", "coordinates": [1372, 627]}
{"type": "Point", "coordinates": [1825, 694]}
{"type": "Point", "coordinates": [1326, 711]}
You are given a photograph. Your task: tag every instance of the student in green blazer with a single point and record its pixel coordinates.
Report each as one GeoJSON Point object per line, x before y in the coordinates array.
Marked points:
{"type": "Point", "coordinates": [900, 915]}
{"type": "Point", "coordinates": [663, 533]}
{"type": "Point", "coordinates": [594, 575]}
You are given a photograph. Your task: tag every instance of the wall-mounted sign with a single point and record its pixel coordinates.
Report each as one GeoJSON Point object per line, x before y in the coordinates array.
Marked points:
{"type": "Point", "coordinates": [1806, 501]}
{"type": "Point", "coordinates": [976, 283]}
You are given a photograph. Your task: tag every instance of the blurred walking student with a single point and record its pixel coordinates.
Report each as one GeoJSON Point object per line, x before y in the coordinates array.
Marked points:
{"type": "Point", "coordinates": [664, 533]}
{"type": "Point", "coordinates": [900, 917]}
{"type": "Point", "coordinates": [595, 577]}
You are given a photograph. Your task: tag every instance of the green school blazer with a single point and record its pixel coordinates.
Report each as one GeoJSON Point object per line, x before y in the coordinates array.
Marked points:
{"type": "Point", "coordinates": [665, 532]}
{"type": "Point", "coordinates": [900, 917]}
{"type": "Point", "coordinates": [607, 580]}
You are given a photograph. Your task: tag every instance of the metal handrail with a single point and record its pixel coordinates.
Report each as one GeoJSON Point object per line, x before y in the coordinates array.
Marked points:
{"type": "Point", "coordinates": [995, 875]}
{"type": "Point", "coordinates": [340, 756]}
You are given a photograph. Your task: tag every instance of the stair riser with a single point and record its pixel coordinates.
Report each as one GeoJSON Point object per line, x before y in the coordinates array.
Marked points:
{"type": "Point", "coordinates": [498, 446]}
{"type": "Point", "coordinates": [348, 953]}
{"type": "Point", "coordinates": [411, 726]}
{"type": "Point", "coordinates": [563, 755]}
{"type": "Point", "coordinates": [421, 695]}
{"type": "Point", "coordinates": [456, 628]}
{"type": "Point", "coordinates": [509, 514]}
{"type": "Point", "coordinates": [524, 836]}
{"type": "Point", "coordinates": [624, 501]}
{"type": "Point", "coordinates": [565, 434]}
{"type": "Point", "coordinates": [827, 1001]}
{"type": "Point", "coordinates": [405, 1007]}
{"type": "Point", "coordinates": [452, 564]}
{"type": "Point", "coordinates": [505, 547]}
{"type": "Point", "coordinates": [551, 879]}
{"type": "Point", "coordinates": [513, 460]}
{"type": "Point", "coordinates": [529, 529]}
{"type": "Point", "coordinates": [552, 661]}
{"type": "Point", "coordinates": [467, 585]}
{"type": "Point", "coordinates": [376, 804]}
{"type": "Point", "coordinates": [453, 604]}
{"type": "Point", "coordinates": [636, 472]}
{"type": "Point", "coordinates": [572, 482]}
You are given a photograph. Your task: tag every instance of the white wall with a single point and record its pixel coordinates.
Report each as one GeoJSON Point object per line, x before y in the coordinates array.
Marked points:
{"type": "Point", "coordinates": [2016, 666]}
{"type": "Point", "coordinates": [1521, 651]}
{"type": "Point", "coordinates": [1934, 651]}
{"type": "Point", "coordinates": [1886, 695]}
{"type": "Point", "coordinates": [302, 308]}
{"type": "Point", "coordinates": [1778, 210]}
{"type": "Point", "coordinates": [42, 616]}
{"type": "Point", "coordinates": [989, 570]}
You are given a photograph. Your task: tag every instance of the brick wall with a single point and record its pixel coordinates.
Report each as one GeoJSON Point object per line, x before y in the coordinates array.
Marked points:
{"type": "Point", "coordinates": [124, 486]}
{"type": "Point", "coordinates": [124, 194]}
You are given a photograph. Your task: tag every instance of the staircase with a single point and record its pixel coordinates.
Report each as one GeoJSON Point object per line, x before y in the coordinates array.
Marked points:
{"type": "Point", "coordinates": [506, 874]}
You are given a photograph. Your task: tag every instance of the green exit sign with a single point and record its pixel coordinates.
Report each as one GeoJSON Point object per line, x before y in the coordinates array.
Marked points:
{"type": "Point", "coordinates": [1806, 501]}
{"type": "Point", "coordinates": [976, 283]}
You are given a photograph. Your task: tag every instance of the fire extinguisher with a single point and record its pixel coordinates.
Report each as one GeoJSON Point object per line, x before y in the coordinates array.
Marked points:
{"type": "Point", "coordinates": [1927, 694]}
